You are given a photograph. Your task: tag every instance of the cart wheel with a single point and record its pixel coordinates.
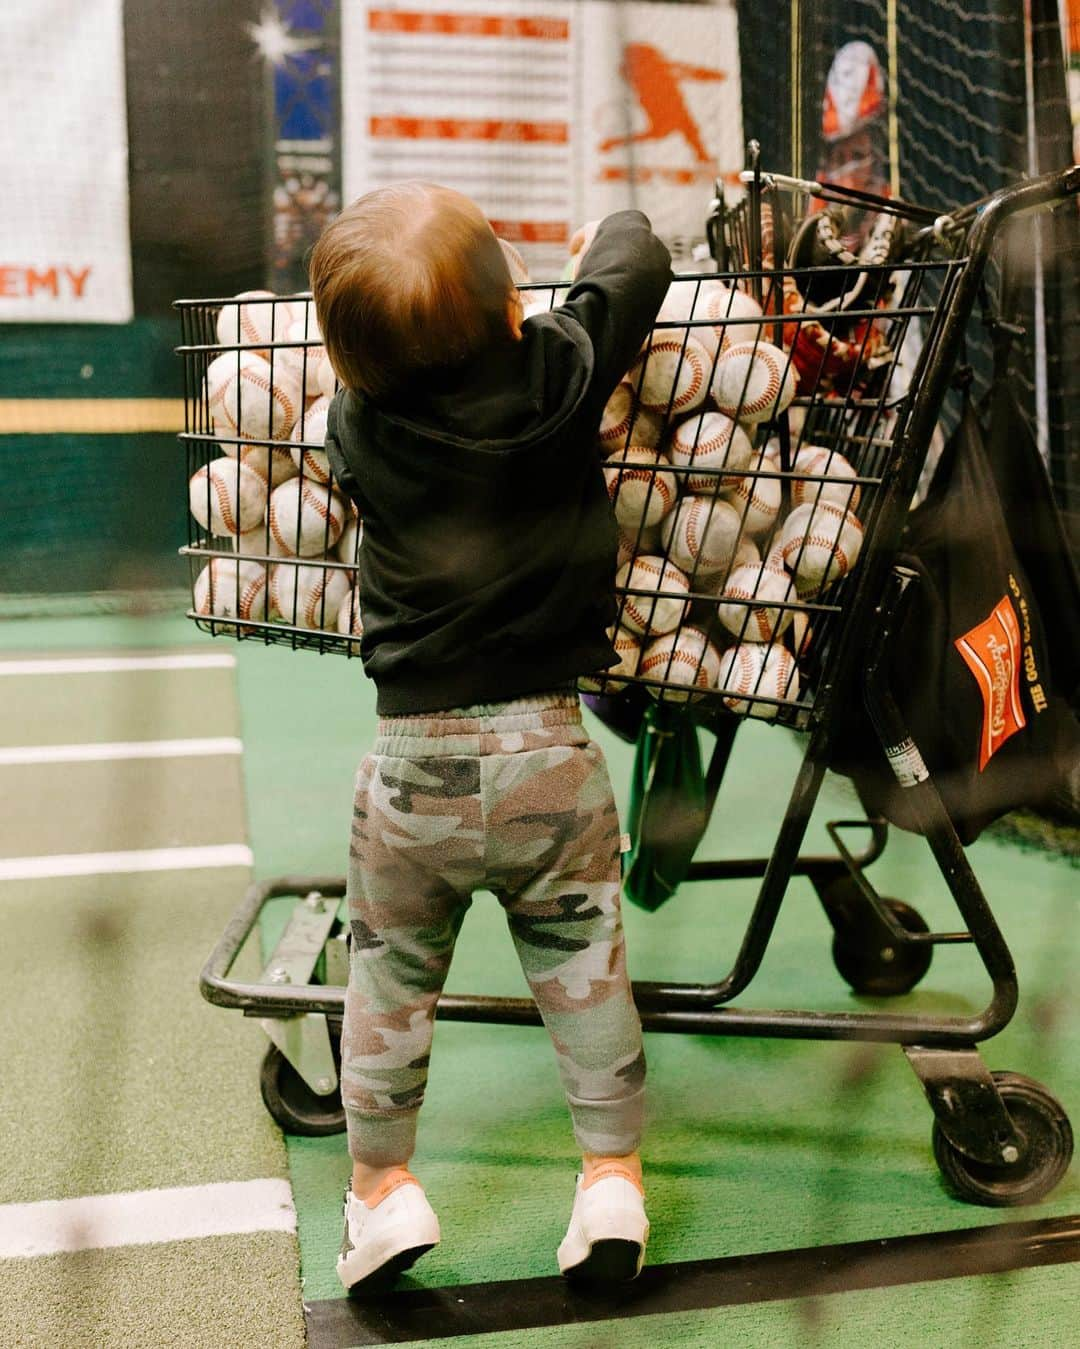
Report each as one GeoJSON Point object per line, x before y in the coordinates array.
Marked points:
{"type": "Point", "coordinates": [884, 971]}
{"type": "Point", "coordinates": [1046, 1147]}
{"type": "Point", "coordinates": [293, 1104]}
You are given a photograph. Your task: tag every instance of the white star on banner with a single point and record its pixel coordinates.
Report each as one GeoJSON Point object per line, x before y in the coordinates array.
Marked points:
{"type": "Point", "coordinates": [273, 40]}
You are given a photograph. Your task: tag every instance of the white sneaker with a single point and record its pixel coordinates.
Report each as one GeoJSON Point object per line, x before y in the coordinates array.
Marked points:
{"type": "Point", "coordinates": [605, 1242]}
{"type": "Point", "coordinates": [381, 1241]}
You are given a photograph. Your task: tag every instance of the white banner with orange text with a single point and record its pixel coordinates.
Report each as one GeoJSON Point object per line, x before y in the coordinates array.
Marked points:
{"type": "Point", "coordinates": [65, 250]}
{"type": "Point", "coordinates": [546, 112]}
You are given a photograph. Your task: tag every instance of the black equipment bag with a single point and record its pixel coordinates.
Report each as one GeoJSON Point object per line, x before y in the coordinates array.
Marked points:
{"type": "Point", "coordinates": [1037, 531]}
{"type": "Point", "coordinates": [982, 674]}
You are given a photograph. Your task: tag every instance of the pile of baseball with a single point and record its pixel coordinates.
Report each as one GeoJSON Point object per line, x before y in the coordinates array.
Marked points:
{"type": "Point", "coordinates": [712, 570]}
{"type": "Point", "coordinates": [270, 495]}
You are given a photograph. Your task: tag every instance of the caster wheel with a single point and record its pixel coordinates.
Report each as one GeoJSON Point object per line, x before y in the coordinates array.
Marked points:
{"type": "Point", "coordinates": [293, 1104]}
{"type": "Point", "coordinates": [1046, 1147]}
{"type": "Point", "coordinates": [887, 971]}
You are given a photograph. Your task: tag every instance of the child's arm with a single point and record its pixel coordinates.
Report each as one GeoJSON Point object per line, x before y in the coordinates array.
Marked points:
{"type": "Point", "coordinates": [623, 275]}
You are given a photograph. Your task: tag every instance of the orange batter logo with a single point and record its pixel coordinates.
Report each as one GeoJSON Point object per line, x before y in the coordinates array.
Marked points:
{"type": "Point", "coordinates": [992, 652]}
{"type": "Point", "coordinates": [655, 81]}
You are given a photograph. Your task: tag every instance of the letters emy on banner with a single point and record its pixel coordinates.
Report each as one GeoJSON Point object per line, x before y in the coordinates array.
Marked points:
{"type": "Point", "coordinates": [65, 250]}
{"type": "Point", "coordinates": [545, 113]}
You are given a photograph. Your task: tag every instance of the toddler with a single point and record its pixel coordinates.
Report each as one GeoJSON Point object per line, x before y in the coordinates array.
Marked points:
{"type": "Point", "coordinates": [467, 438]}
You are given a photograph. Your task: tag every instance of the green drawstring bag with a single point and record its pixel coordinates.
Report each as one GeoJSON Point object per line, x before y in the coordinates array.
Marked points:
{"type": "Point", "coordinates": [668, 811]}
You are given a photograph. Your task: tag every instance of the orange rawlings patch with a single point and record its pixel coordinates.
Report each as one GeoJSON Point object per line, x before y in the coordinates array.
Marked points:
{"type": "Point", "coordinates": [992, 652]}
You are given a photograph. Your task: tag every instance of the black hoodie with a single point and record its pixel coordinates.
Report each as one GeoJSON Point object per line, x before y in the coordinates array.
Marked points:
{"type": "Point", "coordinates": [487, 566]}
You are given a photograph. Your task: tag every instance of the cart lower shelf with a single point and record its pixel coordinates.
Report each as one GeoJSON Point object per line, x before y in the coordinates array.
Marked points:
{"type": "Point", "coordinates": [999, 1138]}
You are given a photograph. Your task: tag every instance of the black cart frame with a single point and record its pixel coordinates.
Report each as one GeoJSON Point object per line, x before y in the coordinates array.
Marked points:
{"type": "Point", "coordinates": [1000, 1138]}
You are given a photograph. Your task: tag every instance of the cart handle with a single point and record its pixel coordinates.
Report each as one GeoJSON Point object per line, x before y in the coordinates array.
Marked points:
{"type": "Point", "coordinates": [218, 989]}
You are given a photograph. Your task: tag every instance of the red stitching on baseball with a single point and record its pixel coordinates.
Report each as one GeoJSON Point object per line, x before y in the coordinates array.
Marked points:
{"type": "Point", "coordinates": [689, 356]}
{"type": "Point", "coordinates": [251, 593]}
{"type": "Point", "coordinates": [680, 656]}
{"type": "Point", "coordinates": [760, 613]}
{"type": "Point", "coordinates": [621, 475]}
{"type": "Point", "coordinates": [772, 391]}
{"type": "Point", "coordinates": [247, 325]}
{"type": "Point", "coordinates": [221, 491]}
{"type": "Point", "coordinates": [617, 432]}
{"type": "Point", "coordinates": [276, 392]}
{"type": "Point", "coordinates": [315, 599]}
{"type": "Point", "coordinates": [649, 568]}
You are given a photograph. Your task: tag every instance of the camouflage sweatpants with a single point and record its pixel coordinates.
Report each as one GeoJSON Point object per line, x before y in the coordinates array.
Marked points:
{"type": "Point", "coordinates": [513, 798]}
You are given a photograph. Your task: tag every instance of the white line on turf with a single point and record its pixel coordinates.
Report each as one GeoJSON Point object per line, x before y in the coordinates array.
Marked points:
{"type": "Point", "coordinates": [141, 1217]}
{"type": "Point", "coordinates": [122, 749]}
{"type": "Point", "coordinates": [115, 863]}
{"type": "Point", "coordinates": [111, 664]}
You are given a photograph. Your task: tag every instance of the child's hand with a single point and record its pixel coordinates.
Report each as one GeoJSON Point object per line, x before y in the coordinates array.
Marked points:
{"type": "Point", "coordinates": [581, 242]}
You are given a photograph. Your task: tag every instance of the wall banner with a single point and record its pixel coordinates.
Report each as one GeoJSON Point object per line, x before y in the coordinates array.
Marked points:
{"type": "Point", "coordinates": [546, 113]}
{"type": "Point", "coordinates": [65, 252]}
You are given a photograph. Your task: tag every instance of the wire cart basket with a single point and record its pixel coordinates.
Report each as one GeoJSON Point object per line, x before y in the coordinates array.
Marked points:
{"type": "Point", "coordinates": [761, 456]}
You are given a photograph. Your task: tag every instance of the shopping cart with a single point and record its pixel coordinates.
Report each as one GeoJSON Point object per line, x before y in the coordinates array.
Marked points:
{"type": "Point", "coordinates": [759, 519]}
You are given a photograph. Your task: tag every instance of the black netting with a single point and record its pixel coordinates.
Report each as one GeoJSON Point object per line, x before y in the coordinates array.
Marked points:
{"type": "Point", "coordinates": [951, 125]}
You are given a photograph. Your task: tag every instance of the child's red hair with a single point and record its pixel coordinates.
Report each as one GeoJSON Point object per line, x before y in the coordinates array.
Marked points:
{"type": "Point", "coordinates": [408, 278]}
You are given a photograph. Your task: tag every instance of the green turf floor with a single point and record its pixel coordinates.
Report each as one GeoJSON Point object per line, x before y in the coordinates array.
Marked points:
{"type": "Point", "coordinates": [117, 1076]}
{"type": "Point", "coordinates": [753, 1145]}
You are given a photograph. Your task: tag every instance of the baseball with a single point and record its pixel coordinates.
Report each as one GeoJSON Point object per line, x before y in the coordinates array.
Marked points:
{"type": "Point", "coordinates": [245, 402]}
{"type": "Point", "coordinates": [536, 302]}
{"type": "Point", "coordinates": [824, 463]}
{"type": "Point", "coordinates": [753, 381]}
{"type": "Point", "coordinates": [639, 539]}
{"type": "Point", "coordinates": [753, 670]}
{"type": "Point", "coordinates": [253, 325]}
{"type": "Point", "coordinates": [709, 441]}
{"type": "Point", "coordinates": [310, 430]}
{"type": "Point", "coordinates": [769, 456]}
{"type": "Point", "coordinates": [305, 517]}
{"type": "Point", "coordinates": [802, 634]}
{"type": "Point", "coordinates": [759, 588]}
{"type": "Point", "coordinates": [820, 544]}
{"type": "Point", "coordinates": [663, 608]}
{"type": "Point", "coordinates": [628, 649]}
{"type": "Point", "coordinates": [349, 620]}
{"type": "Point", "coordinates": [747, 553]}
{"type": "Point", "coordinates": [308, 596]}
{"type": "Point", "coordinates": [352, 536]}
{"type": "Point", "coordinates": [684, 300]}
{"type": "Point", "coordinates": [724, 308]}
{"type": "Point", "coordinates": [685, 658]}
{"type": "Point", "coordinates": [227, 497]}
{"type": "Point", "coordinates": [685, 303]}
{"type": "Point", "coordinates": [757, 501]}
{"type": "Point", "coordinates": [625, 421]}
{"type": "Point", "coordinates": [641, 489]}
{"type": "Point", "coordinates": [227, 589]}
{"type": "Point", "coordinates": [671, 373]}
{"type": "Point", "coordinates": [257, 543]}
{"type": "Point", "coordinates": [326, 379]}
{"type": "Point", "coordinates": [701, 534]}
{"type": "Point", "coordinates": [305, 357]}
{"type": "Point", "coordinates": [272, 465]}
